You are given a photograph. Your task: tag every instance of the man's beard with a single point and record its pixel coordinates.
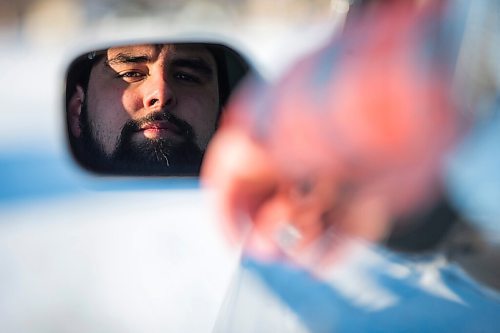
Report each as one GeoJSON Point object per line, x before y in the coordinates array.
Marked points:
{"type": "Point", "coordinates": [149, 157]}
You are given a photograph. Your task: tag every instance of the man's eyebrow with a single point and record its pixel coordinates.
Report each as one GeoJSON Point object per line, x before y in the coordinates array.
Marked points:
{"type": "Point", "coordinates": [125, 58]}
{"type": "Point", "coordinates": [196, 64]}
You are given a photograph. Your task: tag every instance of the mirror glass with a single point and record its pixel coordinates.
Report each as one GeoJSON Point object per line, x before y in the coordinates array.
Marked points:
{"type": "Point", "coordinates": [148, 109]}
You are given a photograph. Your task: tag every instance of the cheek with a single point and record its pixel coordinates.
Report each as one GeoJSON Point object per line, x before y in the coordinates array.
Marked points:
{"type": "Point", "coordinates": [131, 101]}
{"type": "Point", "coordinates": [107, 114]}
{"type": "Point", "coordinates": [201, 112]}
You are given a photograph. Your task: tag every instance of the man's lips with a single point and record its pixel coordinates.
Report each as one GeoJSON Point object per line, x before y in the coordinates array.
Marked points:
{"type": "Point", "coordinates": [160, 129]}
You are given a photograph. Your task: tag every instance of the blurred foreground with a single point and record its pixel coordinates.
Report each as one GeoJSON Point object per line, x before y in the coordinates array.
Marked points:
{"type": "Point", "coordinates": [379, 140]}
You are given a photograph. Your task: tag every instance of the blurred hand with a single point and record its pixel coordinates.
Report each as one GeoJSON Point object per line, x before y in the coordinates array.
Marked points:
{"type": "Point", "coordinates": [351, 139]}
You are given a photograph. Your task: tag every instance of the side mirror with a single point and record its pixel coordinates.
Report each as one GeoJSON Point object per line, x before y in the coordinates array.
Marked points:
{"type": "Point", "coordinates": [148, 109]}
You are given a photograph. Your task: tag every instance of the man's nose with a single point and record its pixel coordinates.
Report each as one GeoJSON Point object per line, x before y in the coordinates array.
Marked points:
{"type": "Point", "coordinates": [159, 93]}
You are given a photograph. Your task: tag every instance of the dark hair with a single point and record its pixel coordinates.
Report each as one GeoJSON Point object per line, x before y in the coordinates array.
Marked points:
{"type": "Point", "coordinates": [231, 69]}
{"type": "Point", "coordinates": [79, 72]}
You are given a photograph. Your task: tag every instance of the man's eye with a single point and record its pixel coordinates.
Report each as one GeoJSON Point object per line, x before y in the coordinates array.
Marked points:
{"type": "Point", "coordinates": [131, 76]}
{"type": "Point", "coordinates": [187, 77]}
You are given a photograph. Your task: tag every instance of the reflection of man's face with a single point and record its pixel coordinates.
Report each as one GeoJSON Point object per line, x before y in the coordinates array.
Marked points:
{"type": "Point", "coordinates": [151, 107]}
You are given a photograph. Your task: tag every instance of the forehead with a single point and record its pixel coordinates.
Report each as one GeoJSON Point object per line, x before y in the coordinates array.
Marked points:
{"type": "Point", "coordinates": [154, 52]}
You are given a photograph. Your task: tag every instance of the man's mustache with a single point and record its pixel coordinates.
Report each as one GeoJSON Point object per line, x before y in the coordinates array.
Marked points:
{"type": "Point", "coordinates": [135, 125]}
